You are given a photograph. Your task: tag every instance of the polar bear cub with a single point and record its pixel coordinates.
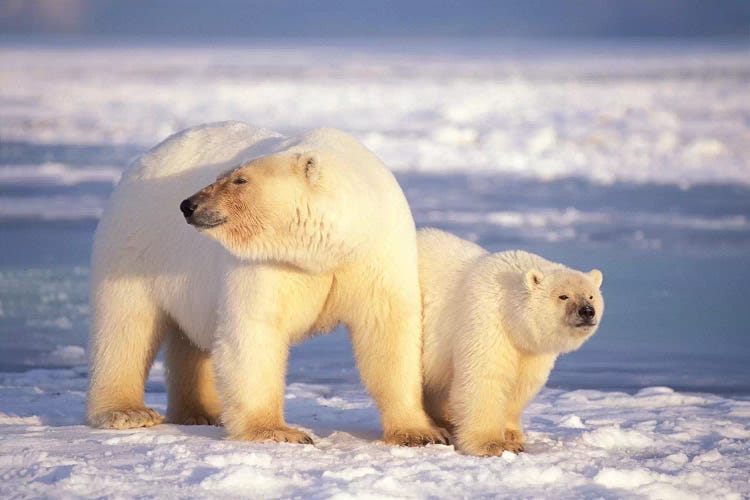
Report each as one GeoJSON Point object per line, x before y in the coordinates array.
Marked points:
{"type": "Point", "coordinates": [494, 325]}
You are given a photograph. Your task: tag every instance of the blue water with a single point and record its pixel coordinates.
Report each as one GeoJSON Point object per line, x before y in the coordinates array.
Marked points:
{"type": "Point", "coordinates": [677, 278]}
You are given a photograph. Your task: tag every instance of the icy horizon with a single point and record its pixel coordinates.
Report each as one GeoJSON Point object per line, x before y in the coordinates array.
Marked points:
{"type": "Point", "coordinates": [546, 110]}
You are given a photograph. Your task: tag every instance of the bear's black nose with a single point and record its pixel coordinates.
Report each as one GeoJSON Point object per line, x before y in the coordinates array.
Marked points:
{"type": "Point", "coordinates": [587, 311]}
{"type": "Point", "coordinates": [187, 207]}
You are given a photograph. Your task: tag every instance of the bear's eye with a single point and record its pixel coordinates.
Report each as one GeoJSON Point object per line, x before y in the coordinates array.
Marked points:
{"type": "Point", "coordinates": [591, 297]}
{"type": "Point", "coordinates": [239, 180]}
{"type": "Point", "coordinates": [563, 297]}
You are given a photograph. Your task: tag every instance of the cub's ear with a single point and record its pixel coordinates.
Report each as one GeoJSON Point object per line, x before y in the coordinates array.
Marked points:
{"type": "Point", "coordinates": [533, 278]}
{"type": "Point", "coordinates": [309, 165]}
{"type": "Point", "coordinates": [596, 276]}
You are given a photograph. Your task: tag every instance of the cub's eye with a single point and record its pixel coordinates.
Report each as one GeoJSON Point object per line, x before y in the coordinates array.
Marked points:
{"type": "Point", "coordinates": [239, 180]}
{"type": "Point", "coordinates": [563, 297]}
{"type": "Point", "coordinates": [591, 297]}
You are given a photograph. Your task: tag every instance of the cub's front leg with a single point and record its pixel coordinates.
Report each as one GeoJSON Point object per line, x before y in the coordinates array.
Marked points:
{"type": "Point", "coordinates": [483, 384]}
{"type": "Point", "coordinates": [533, 372]}
{"type": "Point", "coordinates": [261, 312]}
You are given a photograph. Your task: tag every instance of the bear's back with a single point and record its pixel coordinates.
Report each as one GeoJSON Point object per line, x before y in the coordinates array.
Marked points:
{"type": "Point", "coordinates": [353, 163]}
{"type": "Point", "coordinates": [142, 221]}
{"type": "Point", "coordinates": [367, 192]}
{"type": "Point", "coordinates": [204, 146]}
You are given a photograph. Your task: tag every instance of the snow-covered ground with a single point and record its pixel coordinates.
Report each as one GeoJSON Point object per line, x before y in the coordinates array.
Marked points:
{"type": "Point", "coordinates": [631, 158]}
{"type": "Point", "coordinates": [582, 444]}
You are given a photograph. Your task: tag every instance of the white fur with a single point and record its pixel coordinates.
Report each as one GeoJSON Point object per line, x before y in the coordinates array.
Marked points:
{"type": "Point", "coordinates": [493, 326]}
{"type": "Point", "coordinates": [320, 234]}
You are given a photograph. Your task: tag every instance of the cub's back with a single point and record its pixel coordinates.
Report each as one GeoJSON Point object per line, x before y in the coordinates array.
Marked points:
{"type": "Point", "coordinates": [442, 258]}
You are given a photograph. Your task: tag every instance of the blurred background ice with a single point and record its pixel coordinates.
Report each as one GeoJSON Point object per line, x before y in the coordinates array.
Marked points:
{"type": "Point", "coordinates": [598, 133]}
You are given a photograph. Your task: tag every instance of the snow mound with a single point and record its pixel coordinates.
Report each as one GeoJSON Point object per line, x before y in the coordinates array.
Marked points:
{"type": "Point", "coordinates": [613, 437]}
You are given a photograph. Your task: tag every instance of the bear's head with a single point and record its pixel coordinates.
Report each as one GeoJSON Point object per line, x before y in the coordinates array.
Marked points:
{"type": "Point", "coordinates": [286, 208]}
{"type": "Point", "coordinates": [564, 307]}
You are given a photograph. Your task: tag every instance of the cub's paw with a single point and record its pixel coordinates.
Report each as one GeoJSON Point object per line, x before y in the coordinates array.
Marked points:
{"type": "Point", "coordinates": [195, 419]}
{"type": "Point", "coordinates": [126, 419]}
{"type": "Point", "coordinates": [493, 448]}
{"type": "Point", "coordinates": [274, 435]}
{"type": "Point", "coordinates": [417, 437]}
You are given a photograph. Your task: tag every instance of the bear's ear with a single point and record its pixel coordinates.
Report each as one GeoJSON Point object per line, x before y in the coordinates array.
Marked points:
{"type": "Point", "coordinates": [309, 166]}
{"type": "Point", "coordinates": [534, 278]}
{"type": "Point", "coordinates": [596, 276]}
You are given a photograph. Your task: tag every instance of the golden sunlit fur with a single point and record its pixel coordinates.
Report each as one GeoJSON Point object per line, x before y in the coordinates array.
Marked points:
{"type": "Point", "coordinates": [298, 235]}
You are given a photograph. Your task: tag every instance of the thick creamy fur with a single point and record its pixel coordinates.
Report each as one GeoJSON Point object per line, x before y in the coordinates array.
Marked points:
{"type": "Point", "coordinates": [494, 325]}
{"type": "Point", "coordinates": [314, 231]}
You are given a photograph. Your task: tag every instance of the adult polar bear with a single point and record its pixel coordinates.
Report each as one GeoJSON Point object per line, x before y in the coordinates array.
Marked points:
{"type": "Point", "coordinates": [304, 233]}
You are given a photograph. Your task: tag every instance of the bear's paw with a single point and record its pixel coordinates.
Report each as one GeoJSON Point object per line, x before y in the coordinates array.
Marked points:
{"type": "Point", "coordinates": [197, 419]}
{"type": "Point", "coordinates": [494, 448]}
{"type": "Point", "coordinates": [514, 437]}
{"type": "Point", "coordinates": [126, 419]}
{"type": "Point", "coordinates": [274, 435]}
{"type": "Point", "coordinates": [416, 437]}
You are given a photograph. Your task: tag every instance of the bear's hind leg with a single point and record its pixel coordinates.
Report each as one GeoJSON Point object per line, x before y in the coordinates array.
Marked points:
{"type": "Point", "coordinates": [436, 407]}
{"type": "Point", "coordinates": [126, 334]}
{"type": "Point", "coordinates": [388, 352]}
{"type": "Point", "coordinates": [190, 382]}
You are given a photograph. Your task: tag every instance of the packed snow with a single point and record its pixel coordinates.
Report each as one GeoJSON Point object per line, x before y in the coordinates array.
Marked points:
{"type": "Point", "coordinates": [632, 158]}
{"type": "Point", "coordinates": [585, 444]}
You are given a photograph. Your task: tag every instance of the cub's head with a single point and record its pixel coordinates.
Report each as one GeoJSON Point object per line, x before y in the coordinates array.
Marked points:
{"type": "Point", "coordinates": [566, 307]}
{"type": "Point", "coordinates": [279, 208]}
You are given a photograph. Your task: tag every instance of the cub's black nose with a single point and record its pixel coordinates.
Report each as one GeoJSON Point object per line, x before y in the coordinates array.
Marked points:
{"type": "Point", "coordinates": [187, 207]}
{"type": "Point", "coordinates": [587, 312]}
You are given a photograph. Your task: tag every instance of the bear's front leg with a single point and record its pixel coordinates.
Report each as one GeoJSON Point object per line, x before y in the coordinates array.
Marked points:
{"type": "Point", "coordinates": [262, 309]}
{"type": "Point", "coordinates": [250, 368]}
